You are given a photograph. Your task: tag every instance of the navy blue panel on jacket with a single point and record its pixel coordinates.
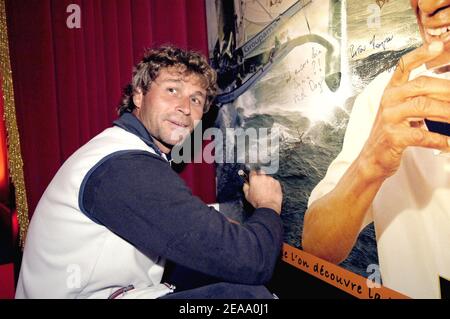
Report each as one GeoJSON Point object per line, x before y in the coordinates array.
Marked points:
{"type": "Point", "coordinates": [140, 198]}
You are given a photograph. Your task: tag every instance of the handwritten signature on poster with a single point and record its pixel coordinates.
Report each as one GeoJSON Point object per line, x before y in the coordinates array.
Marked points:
{"type": "Point", "coordinates": [308, 78]}
{"type": "Point", "coordinates": [374, 44]}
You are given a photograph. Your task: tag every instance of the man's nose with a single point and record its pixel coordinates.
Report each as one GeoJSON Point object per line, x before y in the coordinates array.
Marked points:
{"type": "Point", "coordinates": [184, 105]}
{"type": "Point", "coordinates": [431, 6]}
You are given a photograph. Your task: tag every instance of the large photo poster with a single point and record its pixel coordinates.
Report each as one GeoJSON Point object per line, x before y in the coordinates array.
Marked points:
{"type": "Point", "coordinates": [289, 73]}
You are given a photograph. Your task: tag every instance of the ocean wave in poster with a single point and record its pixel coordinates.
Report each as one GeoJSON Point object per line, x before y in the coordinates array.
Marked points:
{"type": "Point", "coordinates": [305, 154]}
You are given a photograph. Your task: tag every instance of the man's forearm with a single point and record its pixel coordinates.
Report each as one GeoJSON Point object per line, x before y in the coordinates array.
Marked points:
{"type": "Point", "coordinates": [333, 222]}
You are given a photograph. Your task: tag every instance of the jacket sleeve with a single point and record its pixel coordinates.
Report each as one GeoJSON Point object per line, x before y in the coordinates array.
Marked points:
{"type": "Point", "coordinates": [140, 198]}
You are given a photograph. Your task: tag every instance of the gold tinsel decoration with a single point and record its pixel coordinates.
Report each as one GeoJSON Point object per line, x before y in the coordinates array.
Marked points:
{"type": "Point", "coordinates": [15, 162]}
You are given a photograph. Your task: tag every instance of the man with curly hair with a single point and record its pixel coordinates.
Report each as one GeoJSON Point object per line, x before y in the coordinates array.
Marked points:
{"type": "Point", "coordinates": [116, 211]}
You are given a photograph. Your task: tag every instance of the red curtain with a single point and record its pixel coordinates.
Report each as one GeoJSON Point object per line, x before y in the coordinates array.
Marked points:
{"type": "Point", "coordinates": [68, 82]}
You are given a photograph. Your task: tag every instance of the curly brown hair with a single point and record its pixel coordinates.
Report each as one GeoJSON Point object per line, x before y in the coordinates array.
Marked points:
{"type": "Point", "coordinates": [146, 71]}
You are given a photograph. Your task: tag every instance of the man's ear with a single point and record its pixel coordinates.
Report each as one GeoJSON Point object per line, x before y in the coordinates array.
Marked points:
{"type": "Point", "coordinates": [138, 97]}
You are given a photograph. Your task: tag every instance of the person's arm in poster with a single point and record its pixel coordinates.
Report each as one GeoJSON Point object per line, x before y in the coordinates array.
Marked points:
{"type": "Point", "coordinates": [333, 222]}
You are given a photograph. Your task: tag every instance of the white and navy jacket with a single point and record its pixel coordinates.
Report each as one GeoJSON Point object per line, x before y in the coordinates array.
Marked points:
{"type": "Point", "coordinates": [115, 211]}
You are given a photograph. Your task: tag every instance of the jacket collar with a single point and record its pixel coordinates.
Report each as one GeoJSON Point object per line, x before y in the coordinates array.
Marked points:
{"type": "Point", "coordinates": [130, 123]}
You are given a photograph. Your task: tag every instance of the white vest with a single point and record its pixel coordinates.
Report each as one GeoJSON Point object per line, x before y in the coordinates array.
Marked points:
{"type": "Point", "coordinates": [67, 255]}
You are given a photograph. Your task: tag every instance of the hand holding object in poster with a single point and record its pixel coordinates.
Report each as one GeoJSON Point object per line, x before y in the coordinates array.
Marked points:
{"type": "Point", "coordinates": [403, 103]}
{"type": "Point", "coordinates": [437, 126]}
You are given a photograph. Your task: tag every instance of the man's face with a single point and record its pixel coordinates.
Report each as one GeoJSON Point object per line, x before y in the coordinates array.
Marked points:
{"type": "Point", "coordinates": [433, 18]}
{"type": "Point", "coordinates": [173, 103]}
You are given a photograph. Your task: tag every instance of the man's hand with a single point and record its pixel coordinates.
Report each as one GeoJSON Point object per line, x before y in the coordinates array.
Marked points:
{"type": "Point", "coordinates": [403, 104]}
{"type": "Point", "coordinates": [263, 191]}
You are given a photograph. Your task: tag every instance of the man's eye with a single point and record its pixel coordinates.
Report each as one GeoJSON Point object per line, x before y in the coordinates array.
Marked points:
{"type": "Point", "coordinates": [172, 90]}
{"type": "Point", "coordinates": [198, 101]}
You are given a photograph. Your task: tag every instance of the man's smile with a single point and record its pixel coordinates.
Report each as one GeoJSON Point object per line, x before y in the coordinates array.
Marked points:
{"type": "Point", "coordinates": [437, 31]}
{"type": "Point", "coordinates": [178, 123]}
{"type": "Point", "coordinates": [435, 20]}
